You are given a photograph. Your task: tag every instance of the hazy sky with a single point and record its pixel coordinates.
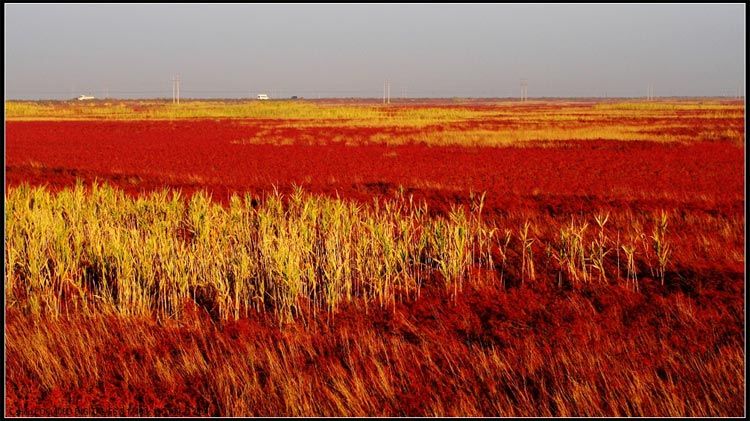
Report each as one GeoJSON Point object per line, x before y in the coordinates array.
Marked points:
{"type": "Point", "coordinates": [60, 51]}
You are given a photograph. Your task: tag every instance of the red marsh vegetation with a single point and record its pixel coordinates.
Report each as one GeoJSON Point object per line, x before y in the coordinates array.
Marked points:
{"type": "Point", "coordinates": [442, 258]}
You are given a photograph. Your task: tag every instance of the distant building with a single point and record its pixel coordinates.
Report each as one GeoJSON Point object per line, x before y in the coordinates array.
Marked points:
{"type": "Point", "coordinates": [262, 96]}
{"type": "Point", "coordinates": [85, 97]}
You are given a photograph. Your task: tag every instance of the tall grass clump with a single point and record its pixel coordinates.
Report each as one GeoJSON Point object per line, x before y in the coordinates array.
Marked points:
{"type": "Point", "coordinates": [571, 253]}
{"type": "Point", "coordinates": [527, 254]}
{"type": "Point", "coordinates": [662, 248]}
{"type": "Point", "coordinates": [297, 255]}
{"type": "Point", "coordinates": [599, 248]}
{"type": "Point", "coordinates": [98, 249]}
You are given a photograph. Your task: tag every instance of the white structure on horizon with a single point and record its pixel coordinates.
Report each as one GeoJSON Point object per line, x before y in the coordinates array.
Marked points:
{"type": "Point", "coordinates": [85, 97]}
{"type": "Point", "coordinates": [262, 96]}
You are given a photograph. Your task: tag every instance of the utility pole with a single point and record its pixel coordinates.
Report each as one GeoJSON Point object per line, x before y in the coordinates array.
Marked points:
{"type": "Point", "coordinates": [389, 92]}
{"type": "Point", "coordinates": [176, 89]}
{"type": "Point", "coordinates": [524, 90]}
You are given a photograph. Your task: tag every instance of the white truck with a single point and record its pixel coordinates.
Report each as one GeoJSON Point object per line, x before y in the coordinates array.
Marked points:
{"type": "Point", "coordinates": [85, 97]}
{"type": "Point", "coordinates": [262, 96]}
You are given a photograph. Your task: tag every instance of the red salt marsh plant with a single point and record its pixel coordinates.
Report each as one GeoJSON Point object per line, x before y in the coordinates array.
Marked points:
{"type": "Point", "coordinates": [500, 123]}
{"type": "Point", "coordinates": [593, 278]}
{"type": "Point", "coordinates": [163, 283]}
{"type": "Point", "coordinates": [197, 155]}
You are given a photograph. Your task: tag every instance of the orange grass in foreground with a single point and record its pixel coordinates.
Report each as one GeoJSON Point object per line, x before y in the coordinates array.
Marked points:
{"type": "Point", "coordinates": [500, 123]}
{"type": "Point", "coordinates": [522, 352]}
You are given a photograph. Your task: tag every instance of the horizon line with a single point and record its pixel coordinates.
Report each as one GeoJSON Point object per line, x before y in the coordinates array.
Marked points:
{"type": "Point", "coordinates": [380, 99]}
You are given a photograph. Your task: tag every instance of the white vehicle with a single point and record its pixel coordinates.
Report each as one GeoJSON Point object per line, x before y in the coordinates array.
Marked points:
{"type": "Point", "coordinates": [85, 97]}
{"type": "Point", "coordinates": [262, 96]}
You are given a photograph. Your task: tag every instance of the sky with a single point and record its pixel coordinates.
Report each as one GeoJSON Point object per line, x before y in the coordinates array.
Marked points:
{"type": "Point", "coordinates": [55, 51]}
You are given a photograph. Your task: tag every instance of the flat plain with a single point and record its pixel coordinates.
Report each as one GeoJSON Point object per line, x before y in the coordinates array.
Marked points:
{"type": "Point", "coordinates": [341, 257]}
